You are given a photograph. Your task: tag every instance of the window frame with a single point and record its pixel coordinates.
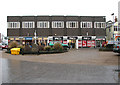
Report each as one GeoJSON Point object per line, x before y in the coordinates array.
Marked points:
{"type": "Point", "coordinates": [69, 23]}
{"type": "Point", "coordinates": [99, 23]}
{"type": "Point", "coordinates": [55, 24]}
{"type": "Point", "coordinates": [13, 24]}
{"type": "Point", "coordinates": [41, 24]}
{"type": "Point", "coordinates": [86, 24]}
{"type": "Point", "coordinates": [115, 28]}
{"type": "Point", "coordinates": [28, 24]}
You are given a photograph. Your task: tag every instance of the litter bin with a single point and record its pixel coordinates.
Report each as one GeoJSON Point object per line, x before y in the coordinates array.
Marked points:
{"type": "Point", "coordinates": [15, 51]}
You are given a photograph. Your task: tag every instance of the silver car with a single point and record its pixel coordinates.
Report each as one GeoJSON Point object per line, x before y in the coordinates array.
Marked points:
{"type": "Point", "coordinates": [116, 48]}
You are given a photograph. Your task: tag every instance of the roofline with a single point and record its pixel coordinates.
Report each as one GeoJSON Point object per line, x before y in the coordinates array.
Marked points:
{"type": "Point", "coordinates": [54, 16]}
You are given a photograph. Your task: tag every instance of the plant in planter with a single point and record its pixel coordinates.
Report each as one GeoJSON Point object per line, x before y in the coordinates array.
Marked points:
{"type": "Point", "coordinates": [41, 48]}
{"type": "Point", "coordinates": [27, 49]}
{"type": "Point", "coordinates": [47, 48]}
{"type": "Point", "coordinates": [34, 48]}
{"type": "Point", "coordinates": [13, 44]}
{"type": "Point", "coordinates": [58, 47]}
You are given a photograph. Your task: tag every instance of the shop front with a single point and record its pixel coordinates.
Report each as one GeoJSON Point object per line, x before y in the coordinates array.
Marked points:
{"type": "Point", "coordinates": [72, 41]}
{"type": "Point", "coordinates": [99, 41]}
{"type": "Point", "coordinates": [86, 41]}
{"type": "Point", "coordinates": [28, 40]}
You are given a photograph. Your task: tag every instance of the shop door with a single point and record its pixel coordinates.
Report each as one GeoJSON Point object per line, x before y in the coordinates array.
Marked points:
{"type": "Point", "coordinates": [89, 43]}
{"type": "Point", "coordinates": [73, 43]}
{"type": "Point", "coordinates": [79, 43]}
{"type": "Point", "coordinates": [93, 43]}
{"type": "Point", "coordinates": [84, 43]}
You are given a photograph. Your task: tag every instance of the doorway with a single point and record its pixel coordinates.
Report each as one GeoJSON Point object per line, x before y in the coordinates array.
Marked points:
{"type": "Point", "coordinates": [72, 43]}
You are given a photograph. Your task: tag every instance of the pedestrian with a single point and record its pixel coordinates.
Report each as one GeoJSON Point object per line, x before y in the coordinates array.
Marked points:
{"type": "Point", "coordinates": [71, 45]}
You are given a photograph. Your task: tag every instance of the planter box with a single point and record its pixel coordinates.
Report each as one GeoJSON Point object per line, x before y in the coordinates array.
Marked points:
{"type": "Point", "coordinates": [39, 52]}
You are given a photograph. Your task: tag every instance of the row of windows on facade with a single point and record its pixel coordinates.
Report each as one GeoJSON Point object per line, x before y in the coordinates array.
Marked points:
{"type": "Point", "coordinates": [56, 24]}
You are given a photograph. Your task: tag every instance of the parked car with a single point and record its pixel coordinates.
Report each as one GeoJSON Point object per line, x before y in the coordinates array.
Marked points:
{"type": "Point", "coordinates": [4, 46]}
{"type": "Point", "coordinates": [116, 48]}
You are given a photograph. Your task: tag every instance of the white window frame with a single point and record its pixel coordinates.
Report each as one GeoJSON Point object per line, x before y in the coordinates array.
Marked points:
{"type": "Point", "coordinates": [88, 24]}
{"type": "Point", "coordinates": [12, 24]}
{"type": "Point", "coordinates": [43, 22]}
{"type": "Point", "coordinates": [68, 24]}
{"type": "Point", "coordinates": [55, 24]}
{"type": "Point", "coordinates": [101, 25]}
{"type": "Point", "coordinates": [115, 28]}
{"type": "Point", "coordinates": [30, 24]}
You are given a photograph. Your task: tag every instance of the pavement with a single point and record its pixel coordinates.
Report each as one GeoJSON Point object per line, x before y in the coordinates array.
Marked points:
{"type": "Point", "coordinates": [35, 72]}
{"type": "Point", "coordinates": [81, 56]}
{"type": "Point", "coordinates": [75, 66]}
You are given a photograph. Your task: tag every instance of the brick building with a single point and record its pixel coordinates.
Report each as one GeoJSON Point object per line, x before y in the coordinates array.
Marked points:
{"type": "Point", "coordinates": [84, 31]}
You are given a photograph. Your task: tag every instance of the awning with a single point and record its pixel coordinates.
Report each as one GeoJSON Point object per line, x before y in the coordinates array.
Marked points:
{"type": "Point", "coordinates": [16, 38]}
{"type": "Point", "coordinates": [28, 38]}
{"type": "Point", "coordinates": [11, 38]}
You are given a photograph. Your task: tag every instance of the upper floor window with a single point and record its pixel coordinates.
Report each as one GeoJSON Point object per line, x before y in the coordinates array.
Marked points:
{"type": "Point", "coordinates": [115, 28]}
{"type": "Point", "coordinates": [13, 25]}
{"type": "Point", "coordinates": [43, 24]}
{"type": "Point", "coordinates": [28, 24]}
{"type": "Point", "coordinates": [86, 24]}
{"type": "Point", "coordinates": [99, 25]}
{"type": "Point", "coordinates": [72, 24]}
{"type": "Point", "coordinates": [57, 24]}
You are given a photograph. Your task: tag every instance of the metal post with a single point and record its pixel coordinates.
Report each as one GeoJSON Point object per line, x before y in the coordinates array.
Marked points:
{"type": "Point", "coordinates": [113, 27]}
{"type": "Point", "coordinates": [35, 36]}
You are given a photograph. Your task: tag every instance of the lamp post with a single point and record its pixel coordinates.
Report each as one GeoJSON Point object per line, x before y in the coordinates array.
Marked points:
{"type": "Point", "coordinates": [35, 36]}
{"type": "Point", "coordinates": [113, 26]}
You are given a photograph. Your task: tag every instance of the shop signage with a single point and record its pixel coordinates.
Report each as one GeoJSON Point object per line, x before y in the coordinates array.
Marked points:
{"type": "Point", "coordinates": [86, 38]}
{"type": "Point", "coordinates": [79, 43]}
{"type": "Point", "coordinates": [57, 38]}
{"type": "Point", "coordinates": [84, 43]}
{"type": "Point", "coordinates": [100, 38]}
{"type": "Point", "coordinates": [89, 43]}
{"type": "Point", "coordinates": [72, 38]}
{"type": "Point", "coordinates": [28, 38]}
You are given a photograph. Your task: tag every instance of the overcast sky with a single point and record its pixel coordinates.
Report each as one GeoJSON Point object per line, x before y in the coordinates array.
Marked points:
{"type": "Point", "coordinates": [56, 7]}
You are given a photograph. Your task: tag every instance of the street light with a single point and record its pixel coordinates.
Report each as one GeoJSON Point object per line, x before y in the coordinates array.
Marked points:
{"type": "Point", "coordinates": [113, 26]}
{"type": "Point", "coordinates": [35, 36]}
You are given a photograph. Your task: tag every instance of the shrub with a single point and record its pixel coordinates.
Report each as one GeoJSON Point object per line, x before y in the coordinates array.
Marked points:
{"type": "Point", "coordinates": [47, 48]}
{"type": "Point", "coordinates": [52, 48]}
{"type": "Point", "coordinates": [57, 46]}
{"type": "Point", "coordinates": [34, 45]}
{"type": "Point", "coordinates": [27, 48]}
{"type": "Point", "coordinates": [13, 44]}
{"type": "Point", "coordinates": [61, 49]}
{"type": "Point", "coordinates": [20, 46]}
{"type": "Point", "coordinates": [34, 50]}
{"type": "Point", "coordinates": [40, 48]}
